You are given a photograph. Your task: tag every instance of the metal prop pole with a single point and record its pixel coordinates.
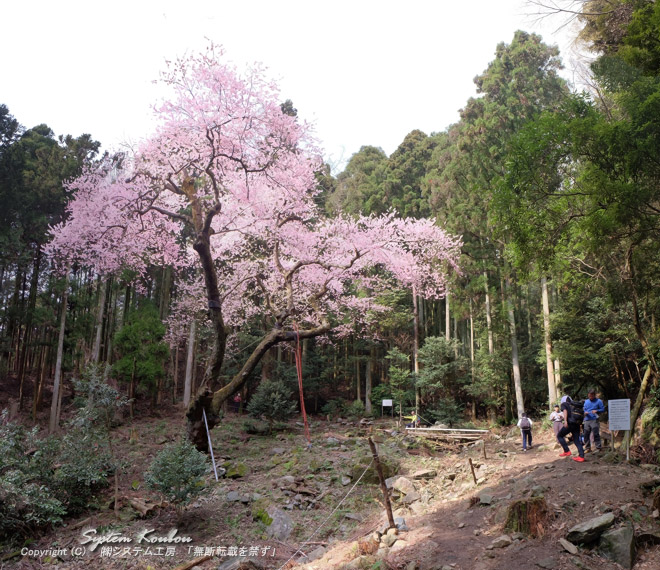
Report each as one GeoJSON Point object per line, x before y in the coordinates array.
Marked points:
{"type": "Point", "coordinates": [208, 434]}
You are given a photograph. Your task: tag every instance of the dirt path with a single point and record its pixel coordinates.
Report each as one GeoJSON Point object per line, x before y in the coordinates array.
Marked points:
{"type": "Point", "coordinates": [457, 530]}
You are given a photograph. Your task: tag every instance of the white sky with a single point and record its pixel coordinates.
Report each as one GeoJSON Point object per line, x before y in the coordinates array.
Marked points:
{"type": "Point", "coordinates": [364, 72]}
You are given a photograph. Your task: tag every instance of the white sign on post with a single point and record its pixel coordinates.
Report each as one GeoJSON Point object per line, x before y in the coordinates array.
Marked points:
{"type": "Point", "coordinates": [619, 415]}
{"type": "Point", "coordinates": [386, 404]}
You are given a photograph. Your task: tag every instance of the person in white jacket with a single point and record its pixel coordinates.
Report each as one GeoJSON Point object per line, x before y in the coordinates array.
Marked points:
{"type": "Point", "coordinates": [525, 425]}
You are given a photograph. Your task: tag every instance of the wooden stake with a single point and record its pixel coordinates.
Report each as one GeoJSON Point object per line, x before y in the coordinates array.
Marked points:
{"type": "Point", "coordinates": [383, 486]}
{"type": "Point", "coordinates": [472, 467]}
{"type": "Point", "coordinates": [483, 443]}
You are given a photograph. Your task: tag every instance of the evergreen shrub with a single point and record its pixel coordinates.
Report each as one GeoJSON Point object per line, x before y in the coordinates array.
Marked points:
{"type": "Point", "coordinates": [334, 408]}
{"type": "Point", "coordinates": [273, 402]}
{"type": "Point", "coordinates": [27, 503]}
{"type": "Point", "coordinates": [177, 471]}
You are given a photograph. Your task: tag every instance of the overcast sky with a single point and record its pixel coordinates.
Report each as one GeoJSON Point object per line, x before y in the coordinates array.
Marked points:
{"type": "Point", "coordinates": [364, 72]}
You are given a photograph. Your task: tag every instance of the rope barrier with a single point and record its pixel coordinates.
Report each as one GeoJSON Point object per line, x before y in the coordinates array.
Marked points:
{"type": "Point", "coordinates": [298, 354]}
{"type": "Point", "coordinates": [424, 419]}
{"type": "Point", "coordinates": [328, 518]}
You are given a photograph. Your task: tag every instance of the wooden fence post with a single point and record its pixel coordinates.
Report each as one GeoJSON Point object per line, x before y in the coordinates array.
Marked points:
{"type": "Point", "coordinates": [383, 486]}
{"type": "Point", "coordinates": [472, 467]}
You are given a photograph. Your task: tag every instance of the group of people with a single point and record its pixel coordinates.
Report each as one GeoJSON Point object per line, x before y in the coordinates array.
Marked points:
{"type": "Point", "coordinates": [569, 419]}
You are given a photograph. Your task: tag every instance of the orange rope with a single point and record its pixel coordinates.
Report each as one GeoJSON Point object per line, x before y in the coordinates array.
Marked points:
{"type": "Point", "coordinates": [298, 353]}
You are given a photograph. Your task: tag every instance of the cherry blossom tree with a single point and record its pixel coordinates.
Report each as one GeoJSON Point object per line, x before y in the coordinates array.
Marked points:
{"type": "Point", "coordinates": [227, 184]}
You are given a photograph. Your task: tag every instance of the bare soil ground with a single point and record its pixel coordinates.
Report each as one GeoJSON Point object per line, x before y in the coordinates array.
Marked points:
{"type": "Point", "coordinates": [336, 518]}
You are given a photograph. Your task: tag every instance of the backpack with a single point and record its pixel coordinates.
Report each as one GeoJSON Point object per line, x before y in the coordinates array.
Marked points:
{"type": "Point", "coordinates": [577, 412]}
{"type": "Point", "coordinates": [524, 424]}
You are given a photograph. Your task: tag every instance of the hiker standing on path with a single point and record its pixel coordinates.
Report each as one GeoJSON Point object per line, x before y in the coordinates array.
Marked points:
{"type": "Point", "coordinates": [592, 407]}
{"type": "Point", "coordinates": [571, 426]}
{"type": "Point", "coordinates": [525, 425]}
{"type": "Point", "coordinates": [557, 419]}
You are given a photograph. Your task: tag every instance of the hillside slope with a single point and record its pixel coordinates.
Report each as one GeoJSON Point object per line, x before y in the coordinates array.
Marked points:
{"type": "Point", "coordinates": [279, 498]}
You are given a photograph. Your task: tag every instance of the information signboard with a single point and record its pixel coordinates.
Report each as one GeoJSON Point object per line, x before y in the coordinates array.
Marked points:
{"type": "Point", "coordinates": [387, 403]}
{"type": "Point", "coordinates": [619, 414]}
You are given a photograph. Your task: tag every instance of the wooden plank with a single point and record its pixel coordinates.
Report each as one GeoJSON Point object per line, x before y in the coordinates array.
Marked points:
{"type": "Point", "coordinates": [448, 434]}
{"type": "Point", "coordinates": [438, 434]}
{"type": "Point", "coordinates": [439, 437]}
{"type": "Point", "coordinates": [449, 430]}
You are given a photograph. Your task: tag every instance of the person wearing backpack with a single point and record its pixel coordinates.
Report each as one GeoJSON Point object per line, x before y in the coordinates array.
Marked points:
{"type": "Point", "coordinates": [572, 422]}
{"type": "Point", "coordinates": [525, 425]}
{"type": "Point", "coordinates": [592, 407]}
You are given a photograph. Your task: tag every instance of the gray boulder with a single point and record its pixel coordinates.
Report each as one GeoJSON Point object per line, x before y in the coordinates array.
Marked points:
{"type": "Point", "coordinates": [590, 531]}
{"type": "Point", "coordinates": [388, 539]}
{"type": "Point", "coordinates": [411, 497]}
{"type": "Point", "coordinates": [485, 498]}
{"type": "Point", "coordinates": [233, 496]}
{"type": "Point", "coordinates": [502, 541]}
{"type": "Point", "coordinates": [400, 523]}
{"type": "Point", "coordinates": [281, 526]}
{"type": "Point", "coordinates": [286, 480]}
{"type": "Point", "coordinates": [425, 474]}
{"type": "Point", "coordinates": [618, 545]}
{"type": "Point", "coordinates": [403, 485]}
{"type": "Point", "coordinates": [316, 554]}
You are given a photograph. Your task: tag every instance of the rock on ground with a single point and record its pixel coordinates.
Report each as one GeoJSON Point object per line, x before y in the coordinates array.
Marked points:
{"type": "Point", "coordinates": [590, 530]}
{"type": "Point", "coordinates": [619, 545]}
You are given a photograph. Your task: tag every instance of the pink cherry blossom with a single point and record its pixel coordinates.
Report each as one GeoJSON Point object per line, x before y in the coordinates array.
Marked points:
{"type": "Point", "coordinates": [226, 185]}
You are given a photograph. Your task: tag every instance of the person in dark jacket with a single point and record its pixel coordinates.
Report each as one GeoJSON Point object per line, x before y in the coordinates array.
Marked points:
{"type": "Point", "coordinates": [572, 427]}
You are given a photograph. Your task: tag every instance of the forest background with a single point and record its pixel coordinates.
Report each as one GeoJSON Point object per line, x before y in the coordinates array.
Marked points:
{"type": "Point", "coordinates": [554, 195]}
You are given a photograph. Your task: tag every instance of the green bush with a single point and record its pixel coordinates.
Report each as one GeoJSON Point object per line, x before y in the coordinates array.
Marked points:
{"type": "Point", "coordinates": [27, 503]}
{"type": "Point", "coordinates": [86, 457]}
{"type": "Point", "coordinates": [272, 401]}
{"type": "Point", "coordinates": [44, 479]}
{"type": "Point", "coordinates": [334, 408]}
{"type": "Point", "coordinates": [97, 401]}
{"type": "Point", "coordinates": [355, 409]}
{"type": "Point", "coordinates": [85, 462]}
{"type": "Point", "coordinates": [176, 472]}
